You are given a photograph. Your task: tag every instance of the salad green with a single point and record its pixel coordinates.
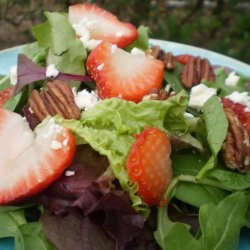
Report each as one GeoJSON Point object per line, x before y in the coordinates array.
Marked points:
{"type": "Point", "coordinates": [215, 197]}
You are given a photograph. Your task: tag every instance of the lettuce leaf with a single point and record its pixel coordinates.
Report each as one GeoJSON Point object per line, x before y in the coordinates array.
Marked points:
{"type": "Point", "coordinates": [109, 128]}
{"type": "Point", "coordinates": [65, 50]}
{"type": "Point", "coordinates": [220, 226]}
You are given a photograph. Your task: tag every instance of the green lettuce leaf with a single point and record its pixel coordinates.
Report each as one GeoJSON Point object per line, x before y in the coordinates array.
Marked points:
{"type": "Point", "coordinates": [65, 50]}
{"type": "Point", "coordinates": [223, 89]}
{"type": "Point", "coordinates": [216, 127]}
{"type": "Point", "coordinates": [36, 53]}
{"type": "Point", "coordinates": [220, 226]}
{"type": "Point", "coordinates": [109, 128]}
{"type": "Point", "coordinates": [142, 40]}
{"type": "Point", "coordinates": [27, 235]}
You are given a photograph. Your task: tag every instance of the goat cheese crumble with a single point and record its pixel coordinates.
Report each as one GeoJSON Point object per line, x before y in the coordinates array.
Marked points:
{"type": "Point", "coordinates": [199, 95]}
{"type": "Point", "coordinates": [51, 71]}
{"type": "Point", "coordinates": [85, 99]}
{"type": "Point", "coordinates": [82, 30]}
{"type": "Point", "coordinates": [232, 79]}
{"type": "Point", "coordinates": [241, 98]}
{"type": "Point", "coordinates": [13, 75]}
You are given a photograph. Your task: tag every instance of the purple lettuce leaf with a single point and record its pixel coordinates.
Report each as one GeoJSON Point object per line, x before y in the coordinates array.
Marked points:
{"type": "Point", "coordinates": [29, 72]}
{"type": "Point", "coordinates": [91, 196]}
{"type": "Point", "coordinates": [75, 232]}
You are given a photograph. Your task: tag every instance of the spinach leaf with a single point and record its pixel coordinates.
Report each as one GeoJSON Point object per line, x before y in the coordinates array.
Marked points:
{"type": "Point", "coordinates": [187, 162]}
{"type": "Point", "coordinates": [199, 194]}
{"type": "Point", "coordinates": [216, 124]}
{"type": "Point", "coordinates": [221, 224]}
{"type": "Point", "coordinates": [172, 78]}
{"type": "Point", "coordinates": [142, 40]}
{"type": "Point", "coordinates": [30, 236]}
{"type": "Point", "coordinates": [36, 53]}
{"type": "Point", "coordinates": [27, 235]}
{"type": "Point", "coordinates": [179, 238]}
{"type": "Point", "coordinates": [223, 89]}
{"type": "Point", "coordinates": [216, 127]}
{"type": "Point", "coordinates": [65, 50]}
{"type": "Point", "coordinates": [4, 82]}
{"type": "Point", "coordinates": [10, 220]}
{"type": "Point", "coordinates": [233, 180]}
{"type": "Point", "coordinates": [17, 102]}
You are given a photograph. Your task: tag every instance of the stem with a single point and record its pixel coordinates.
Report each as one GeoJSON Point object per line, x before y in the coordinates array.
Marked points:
{"type": "Point", "coordinates": [212, 183]}
{"type": "Point", "coordinates": [5, 78]}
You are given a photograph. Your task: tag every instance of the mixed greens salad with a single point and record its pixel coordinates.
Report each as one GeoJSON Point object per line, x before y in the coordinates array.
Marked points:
{"type": "Point", "coordinates": [94, 203]}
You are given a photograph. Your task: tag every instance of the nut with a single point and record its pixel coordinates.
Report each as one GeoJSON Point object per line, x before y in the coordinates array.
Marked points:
{"type": "Point", "coordinates": [155, 94]}
{"type": "Point", "coordinates": [58, 99]}
{"type": "Point", "coordinates": [167, 58]}
{"type": "Point", "coordinates": [195, 70]}
{"type": "Point", "coordinates": [236, 148]}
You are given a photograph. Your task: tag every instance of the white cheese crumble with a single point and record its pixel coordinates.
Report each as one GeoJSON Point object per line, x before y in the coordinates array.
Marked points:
{"type": "Point", "coordinates": [85, 99]}
{"type": "Point", "coordinates": [55, 145]}
{"type": "Point", "coordinates": [136, 52]}
{"type": "Point", "coordinates": [232, 79]}
{"type": "Point", "coordinates": [199, 95]}
{"type": "Point", "coordinates": [13, 75]}
{"type": "Point", "coordinates": [52, 130]}
{"type": "Point", "coordinates": [82, 30]}
{"type": "Point", "coordinates": [113, 48]}
{"type": "Point", "coordinates": [100, 67]}
{"type": "Point", "coordinates": [51, 71]}
{"type": "Point", "coordinates": [241, 98]}
{"type": "Point", "coordinates": [69, 173]}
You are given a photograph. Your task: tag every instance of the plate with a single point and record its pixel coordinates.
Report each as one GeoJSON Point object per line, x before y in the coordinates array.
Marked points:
{"type": "Point", "coordinates": [8, 59]}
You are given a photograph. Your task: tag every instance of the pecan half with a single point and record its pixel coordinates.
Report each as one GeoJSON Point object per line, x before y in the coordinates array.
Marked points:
{"type": "Point", "coordinates": [167, 58]}
{"type": "Point", "coordinates": [236, 148]}
{"type": "Point", "coordinates": [156, 95]}
{"type": "Point", "coordinates": [195, 70]}
{"type": "Point", "coordinates": [57, 99]}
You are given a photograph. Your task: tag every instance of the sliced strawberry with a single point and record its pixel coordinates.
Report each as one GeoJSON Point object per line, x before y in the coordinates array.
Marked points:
{"type": "Point", "coordinates": [105, 26]}
{"type": "Point", "coordinates": [29, 161]}
{"type": "Point", "coordinates": [183, 58]}
{"type": "Point", "coordinates": [149, 164]}
{"type": "Point", "coordinates": [5, 95]}
{"type": "Point", "coordinates": [120, 74]}
{"type": "Point", "coordinates": [239, 110]}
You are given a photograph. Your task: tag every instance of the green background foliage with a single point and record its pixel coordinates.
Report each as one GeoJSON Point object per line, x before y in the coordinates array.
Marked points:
{"type": "Point", "coordinates": [221, 25]}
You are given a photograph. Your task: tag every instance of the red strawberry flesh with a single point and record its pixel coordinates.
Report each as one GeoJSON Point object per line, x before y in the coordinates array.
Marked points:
{"type": "Point", "coordinates": [29, 162]}
{"type": "Point", "coordinates": [107, 26]}
{"type": "Point", "coordinates": [239, 110]}
{"type": "Point", "coordinates": [149, 164]}
{"type": "Point", "coordinates": [120, 74]}
{"type": "Point", "coordinates": [5, 95]}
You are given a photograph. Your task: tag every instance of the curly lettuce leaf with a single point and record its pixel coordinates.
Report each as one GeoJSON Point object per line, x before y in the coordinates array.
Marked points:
{"type": "Point", "coordinates": [109, 128]}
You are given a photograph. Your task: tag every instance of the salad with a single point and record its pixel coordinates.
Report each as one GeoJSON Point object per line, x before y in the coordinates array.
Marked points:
{"type": "Point", "coordinates": [108, 142]}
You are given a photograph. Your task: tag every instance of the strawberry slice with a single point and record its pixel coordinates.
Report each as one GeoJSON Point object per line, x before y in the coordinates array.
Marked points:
{"type": "Point", "coordinates": [239, 110]}
{"type": "Point", "coordinates": [149, 164]}
{"type": "Point", "coordinates": [103, 25]}
{"type": "Point", "coordinates": [29, 161]}
{"type": "Point", "coordinates": [120, 74]}
{"type": "Point", "coordinates": [5, 95]}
